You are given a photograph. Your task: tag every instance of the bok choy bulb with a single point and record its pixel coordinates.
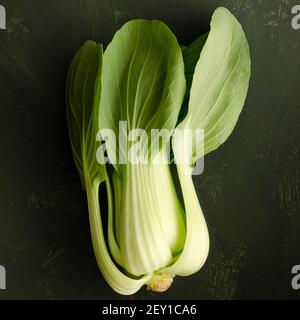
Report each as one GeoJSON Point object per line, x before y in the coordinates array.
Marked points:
{"type": "Point", "coordinates": [144, 78]}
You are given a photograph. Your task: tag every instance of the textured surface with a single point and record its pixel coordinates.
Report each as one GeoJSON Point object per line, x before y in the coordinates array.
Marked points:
{"type": "Point", "coordinates": [250, 187]}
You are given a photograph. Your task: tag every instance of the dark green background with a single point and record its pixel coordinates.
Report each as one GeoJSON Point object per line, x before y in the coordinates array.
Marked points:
{"type": "Point", "coordinates": [250, 187]}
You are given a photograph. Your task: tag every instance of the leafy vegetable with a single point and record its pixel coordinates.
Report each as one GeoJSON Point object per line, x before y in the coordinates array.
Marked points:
{"type": "Point", "coordinates": [146, 79]}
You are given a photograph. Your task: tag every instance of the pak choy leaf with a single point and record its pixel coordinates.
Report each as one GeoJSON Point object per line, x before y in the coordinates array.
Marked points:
{"type": "Point", "coordinates": [219, 88]}
{"type": "Point", "coordinates": [83, 99]}
{"type": "Point", "coordinates": [144, 84]}
{"type": "Point", "coordinates": [143, 80]}
{"type": "Point", "coordinates": [220, 83]}
{"type": "Point", "coordinates": [191, 56]}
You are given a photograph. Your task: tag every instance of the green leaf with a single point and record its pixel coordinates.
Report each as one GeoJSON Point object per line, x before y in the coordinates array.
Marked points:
{"type": "Point", "coordinates": [83, 99]}
{"type": "Point", "coordinates": [218, 92]}
{"type": "Point", "coordinates": [143, 79]}
{"type": "Point", "coordinates": [220, 83]}
{"type": "Point", "coordinates": [191, 56]}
